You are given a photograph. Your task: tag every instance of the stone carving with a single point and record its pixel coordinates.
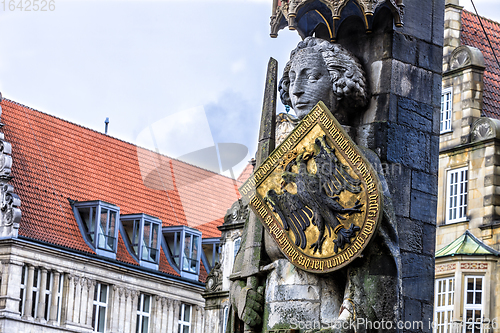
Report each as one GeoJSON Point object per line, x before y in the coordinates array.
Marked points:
{"type": "Point", "coordinates": [237, 213]}
{"type": "Point", "coordinates": [10, 213]}
{"type": "Point", "coordinates": [214, 279]}
{"type": "Point", "coordinates": [289, 9]}
{"type": "Point", "coordinates": [483, 129]}
{"type": "Point", "coordinates": [368, 288]}
{"type": "Point", "coordinates": [460, 59]}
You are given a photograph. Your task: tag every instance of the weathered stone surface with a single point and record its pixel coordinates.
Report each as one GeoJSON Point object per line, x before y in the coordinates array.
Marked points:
{"type": "Point", "coordinates": [417, 265]}
{"type": "Point", "coordinates": [410, 235]}
{"type": "Point", "coordinates": [424, 110]}
{"type": "Point", "coordinates": [405, 48]}
{"type": "Point", "coordinates": [424, 182]}
{"type": "Point", "coordinates": [408, 147]}
{"type": "Point", "coordinates": [415, 289]}
{"type": "Point", "coordinates": [408, 80]}
{"type": "Point", "coordinates": [400, 187]}
{"type": "Point", "coordinates": [414, 120]}
{"type": "Point", "coordinates": [423, 207]}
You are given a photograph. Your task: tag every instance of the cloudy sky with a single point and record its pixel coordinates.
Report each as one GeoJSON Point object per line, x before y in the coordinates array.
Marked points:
{"type": "Point", "coordinates": [177, 76]}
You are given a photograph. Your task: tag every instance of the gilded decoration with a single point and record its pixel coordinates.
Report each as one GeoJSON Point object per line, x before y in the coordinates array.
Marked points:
{"type": "Point", "coordinates": [317, 195]}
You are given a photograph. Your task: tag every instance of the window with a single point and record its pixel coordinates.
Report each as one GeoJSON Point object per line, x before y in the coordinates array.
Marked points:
{"type": "Point", "coordinates": [98, 221]}
{"type": "Point", "coordinates": [184, 244]}
{"type": "Point", "coordinates": [446, 110]}
{"type": "Point", "coordinates": [143, 232]}
{"type": "Point", "coordinates": [100, 308]}
{"type": "Point", "coordinates": [36, 288]}
{"type": "Point", "coordinates": [143, 306]}
{"type": "Point", "coordinates": [456, 197]}
{"type": "Point", "coordinates": [48, 296]}
{"type": "Point", "coordinates": [22, 296]}
{"type": "Point", "coordinates": [473, 304]}
{"type": "Point", "coordinates": [211, 251]}
{"type": "Point", "coordinates": [237, 244]}
{"type": "Point", "coordinates": [185, 319]}
{"type": "Point", "coordinates": [226, 316]}
{"type": "Point", "coordinates": [444, 302]}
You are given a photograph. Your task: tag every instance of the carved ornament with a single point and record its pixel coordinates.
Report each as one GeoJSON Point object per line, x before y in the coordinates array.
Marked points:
{"type": "Point", "coordinates": [285, 13]}
{"type": "Point", "coordinates": [214, 279]}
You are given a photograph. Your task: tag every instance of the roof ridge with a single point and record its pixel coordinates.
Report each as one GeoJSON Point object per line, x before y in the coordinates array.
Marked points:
{"type": "Point", "coordinates": [115, 138]}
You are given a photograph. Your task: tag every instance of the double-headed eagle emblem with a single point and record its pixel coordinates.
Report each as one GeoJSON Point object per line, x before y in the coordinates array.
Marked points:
{"type": "Point", "coordinates": [317, 198]}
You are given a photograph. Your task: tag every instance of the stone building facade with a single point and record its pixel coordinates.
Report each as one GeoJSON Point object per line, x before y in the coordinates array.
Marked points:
{"type": "Point", "coordinates": [99, 235]}
{"type": "Point", "coordinates": [468, 237]}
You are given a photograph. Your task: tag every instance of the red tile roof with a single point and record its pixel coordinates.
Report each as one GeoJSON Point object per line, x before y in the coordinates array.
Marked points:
{"type": "Point", "coordinates": [472, 34]}
{"type": "Point", "coordinates": [55, 160]}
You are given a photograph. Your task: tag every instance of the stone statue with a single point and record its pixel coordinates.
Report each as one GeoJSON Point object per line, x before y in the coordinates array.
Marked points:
{"type": "Point", "coordinates": [366, 291]}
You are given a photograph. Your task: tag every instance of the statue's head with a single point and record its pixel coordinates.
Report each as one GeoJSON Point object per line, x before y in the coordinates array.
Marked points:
{"type": "Point", "coordinates": [322, 71]}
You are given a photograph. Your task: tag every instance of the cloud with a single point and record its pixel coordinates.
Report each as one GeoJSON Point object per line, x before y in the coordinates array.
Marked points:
{"type": "Point", "coordinates": [238, 66]}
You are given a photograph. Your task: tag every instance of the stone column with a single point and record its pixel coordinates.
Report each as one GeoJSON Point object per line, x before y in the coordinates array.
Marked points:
{"type": "Point", "coordinates": [28, 304]}
{"type": "Point", "coordinates": [78, 299]}
{"type": "Point", "coordinates": [198, 318]}
{"type": "Point", "coordinates": [166, 309]}
{"type": "Point", "coordinates": [134, 298]}
{"type": "Point", "coordinates": [127, 310]}
{"type": "Point", "coordinates": [41, 295]}
{"type": "Point", "coordinates": [53, 304]}
{"type": "Point", "coordinates": [83, 302]}
{"type": "Point", "coordinates": [156, 308]}
{"type": "Point", "coordinates": [9, 289]}
{"type": "Point", "coordinates": [90, 301]}
{"type": "Point", "coordinates": [121, 309]}
{"type": "Point", "coordinates": [70, 298]}
{"type": "Point", "coordinates": [176, 309]}
{"type": "Point", "coordinates": [115, 309]}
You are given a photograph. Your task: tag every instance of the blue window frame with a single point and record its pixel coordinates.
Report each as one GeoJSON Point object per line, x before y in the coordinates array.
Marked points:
{"type": "Point", "coordinates": [211, 252]}
{"type": "Point", "coordinates": [184, 246]}
{"type": "Point", "coordinates": [142, 233]}
{"type": "Point", "coordinates": [98, 221]}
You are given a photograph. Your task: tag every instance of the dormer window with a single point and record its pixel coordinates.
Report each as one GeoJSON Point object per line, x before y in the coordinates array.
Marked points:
{"type": "Point", "coordinates": [211, 251]}
{"type": "Point", "coordinates": [142, 233]}
{"type": "Point", "coordinates": [98, 221]}
{"type": "Point", "coordinates": [184, 245]}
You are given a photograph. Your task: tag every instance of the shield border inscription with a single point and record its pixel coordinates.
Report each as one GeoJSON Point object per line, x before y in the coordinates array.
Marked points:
{"type": "Point", "coordinates": [371, 189]}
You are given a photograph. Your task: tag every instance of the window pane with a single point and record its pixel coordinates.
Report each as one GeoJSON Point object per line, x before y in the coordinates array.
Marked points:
{"type": "Point", "coordinates": [154, 236]}
{"type": "Point", "coordinates": [147, 233]}
{"type": "Point", "coordinates": [187, 313]}
{"type": "Point", "coordinates": [479, 284]}
{"type": "Point", "coordinates": [104, 220]}
{"type": "Point", "coordinates": [186, 329]}
{"type": "Point", "coordinates": [137, 323]}
{"type": "Point", "coordinates": [470, 297]}
{"type": "Point", "coordinates": [93, 315]}
{"type": "Point", "coordinates": [146, 303]}
{"type": "Point", "coordinates": [102, 318]}
{"type": "Point", "coordinates": [104, 294]}
{"type": "Point", "coordinates": [145, 324]}
{"type": "Point", "coordinates": [112, 224]}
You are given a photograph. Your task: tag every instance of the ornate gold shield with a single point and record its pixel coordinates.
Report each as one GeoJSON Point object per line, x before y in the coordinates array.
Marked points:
{"type": "Point", "coordinates": [317, 195]}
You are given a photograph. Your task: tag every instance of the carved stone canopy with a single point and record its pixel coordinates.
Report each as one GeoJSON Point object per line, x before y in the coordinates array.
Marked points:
{"type": "Point", "coordinates": [464, 56]}
{"type": "Point", "coordinates": [484, 129]}
{"type": "Point", "coordinates": [323, 17]}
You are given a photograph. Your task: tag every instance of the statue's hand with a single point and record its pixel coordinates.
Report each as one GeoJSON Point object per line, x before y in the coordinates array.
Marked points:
{"type": "Point", "coordinates": [253, 306]}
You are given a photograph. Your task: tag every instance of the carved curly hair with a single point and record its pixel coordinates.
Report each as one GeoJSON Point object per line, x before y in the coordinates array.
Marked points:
{"type": "Point", "coordinates": [346, 73]}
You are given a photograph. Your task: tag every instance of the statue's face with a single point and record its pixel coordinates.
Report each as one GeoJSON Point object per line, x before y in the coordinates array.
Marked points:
{"type": "Point", "coordinates": [310, 82]}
